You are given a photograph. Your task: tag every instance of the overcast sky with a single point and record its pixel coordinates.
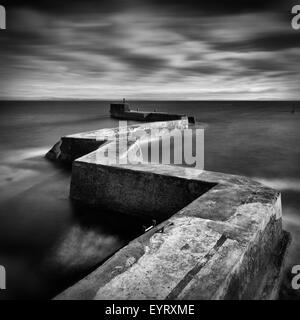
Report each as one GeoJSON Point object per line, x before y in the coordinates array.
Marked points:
{"type": "Point", "coordinates": [149, 49]}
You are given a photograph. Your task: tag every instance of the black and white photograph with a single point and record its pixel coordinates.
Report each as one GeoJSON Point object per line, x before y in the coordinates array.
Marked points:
{"type": "Point", "coordinates": [149, 152]}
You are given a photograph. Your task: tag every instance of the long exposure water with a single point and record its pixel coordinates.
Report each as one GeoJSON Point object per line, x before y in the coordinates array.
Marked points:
{"type": "Point", "coordinates": [47, 242]}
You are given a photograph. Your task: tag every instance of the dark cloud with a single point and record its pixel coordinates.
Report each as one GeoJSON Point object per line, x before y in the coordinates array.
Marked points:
{"type": "Point", "coordinates": [264, 65]}
{"type": "Point", "coordinates": [138, 63]}
{"type": "Point", "coordinates": [142, 63]}
{"type": "Point", "coordinates": [278, 41]}
{"type": "Point", "coordinates": [201, 70]}
{"type": "Point", "coordinates": [266, 42]}
{"type": "Point", "coordinates": [212, 6]}
{"type": "Point", "coordinates": [69, 6]}
{"type": "Point", "coordinates": [225, 6]}
{"type": "Point", "coordinates": [176, 46]}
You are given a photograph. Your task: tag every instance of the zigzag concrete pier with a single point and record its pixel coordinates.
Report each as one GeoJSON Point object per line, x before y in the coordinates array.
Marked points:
{"type": "Point", "coordinates": [220, 235]}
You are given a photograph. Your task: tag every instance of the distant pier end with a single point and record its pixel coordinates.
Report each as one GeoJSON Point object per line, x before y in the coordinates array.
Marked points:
{"type": "Point", "coordinates": [123, 111]}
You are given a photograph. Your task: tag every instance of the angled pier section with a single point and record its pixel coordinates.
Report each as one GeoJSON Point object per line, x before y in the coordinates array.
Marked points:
{"type": "Point", "coordinates": [220, 235]}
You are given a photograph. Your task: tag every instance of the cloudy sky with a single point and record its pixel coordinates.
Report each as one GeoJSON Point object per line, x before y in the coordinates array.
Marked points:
{"type": "Point", "coordinates": [149, 49]}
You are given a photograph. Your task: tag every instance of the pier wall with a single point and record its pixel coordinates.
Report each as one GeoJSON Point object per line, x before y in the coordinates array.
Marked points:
{"type": "Point", "coordinates": [122, 111]}
{"type": "Point", "coordinates": [147, 116]}
{"type": "Point", "coordinates": [219, 236]}
{"type": "Point", "coordinates": [228, 243]}
{"type": "Point", "coordinates": [133, 192]}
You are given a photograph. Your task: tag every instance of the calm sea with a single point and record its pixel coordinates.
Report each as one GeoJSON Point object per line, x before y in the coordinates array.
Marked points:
{"type": "Point", "coordinates": [48, 243]}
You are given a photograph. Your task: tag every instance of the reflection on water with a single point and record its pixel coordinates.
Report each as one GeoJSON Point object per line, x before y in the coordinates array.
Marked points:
{"type": "Point", "coordinates": [47, 242]}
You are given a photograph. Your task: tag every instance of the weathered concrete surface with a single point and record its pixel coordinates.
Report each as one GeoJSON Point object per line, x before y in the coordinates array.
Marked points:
{"type": "Point", "coordinates": [132, 191]}
{"type": "Point", "coordinates": [73, 146]}
{"type": "Point", "coordinates": [221, 237]}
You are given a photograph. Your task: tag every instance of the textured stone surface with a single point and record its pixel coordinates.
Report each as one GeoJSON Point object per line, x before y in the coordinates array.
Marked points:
{"type": "Point", "coordinates": [221, 235]}
{"type": "Point", "coordinates": [73, 146]}
{"type": "Point", "coordinates": [133, 192]}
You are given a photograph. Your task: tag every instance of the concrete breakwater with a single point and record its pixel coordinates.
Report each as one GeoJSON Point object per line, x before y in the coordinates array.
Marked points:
{"type": "Point", "coordinates": [123, 111]}
{"type": "Point", "coordinates": [220, 235]}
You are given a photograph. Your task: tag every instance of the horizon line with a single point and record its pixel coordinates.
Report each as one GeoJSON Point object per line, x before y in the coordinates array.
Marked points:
{"type": "Point", "coordinates": [146, 100]}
